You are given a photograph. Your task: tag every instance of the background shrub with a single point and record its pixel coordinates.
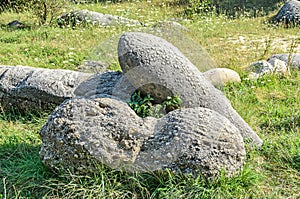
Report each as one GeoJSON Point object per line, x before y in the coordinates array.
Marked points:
{"type": "Point", "coordinates": [47, 10]}
{"type": "Point", "coordinates": [14, 5]}
{"type": "Point", "coordinates": [230, 8]}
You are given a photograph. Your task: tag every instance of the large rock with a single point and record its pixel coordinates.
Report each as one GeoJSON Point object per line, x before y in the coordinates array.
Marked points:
{"type": "Point", "coordinates": [26, 89]}
{"type": "Point", "coordinates": [81, 134]}
{"type": "Point", "coordinates": [154, 66]}
{"type": "Point", "coordinates": [221, 76]}
{"type": "Point", "coordinates": [289, 13]}
{"type": "Point", "coordinates": [83, 131]}
{"type": "Point", "coordinates": [94, 18]}
{"type": "Point", "coordinates": [294, 61]}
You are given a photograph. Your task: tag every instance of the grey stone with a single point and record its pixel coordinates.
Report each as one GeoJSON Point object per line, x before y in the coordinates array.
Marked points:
{"type": "Point", "coordinates": [272, 66]}
{"type": "Point", "coordinates": [289, 13]}
{"type": "Point", "coordinates": [280, 67]}
{"type": "Point", "coordinates": [82, 134]}
{"type": "Point", "coordinates": [154, 66]}
{"type": "Point", "coordinates": [16, 24]}
{"type": "Point", "coordinates": [108, 83]}
{"type": "Point", "coordinates": [27, 89]}
{"type": "Point", "coordinates": [259, 69]}
{"type": "Point", "coordinates": [294, 61]}
{"type": "Point", "coordinates": [222, 76]}
{"type": "Point", "coordinates": [94, 18]}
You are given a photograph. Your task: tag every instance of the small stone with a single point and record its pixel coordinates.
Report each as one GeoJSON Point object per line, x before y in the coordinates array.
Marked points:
{"type": "Point", "coordinates": [222, 76]}
{"type": "Point", "coordinates": [259, 68]}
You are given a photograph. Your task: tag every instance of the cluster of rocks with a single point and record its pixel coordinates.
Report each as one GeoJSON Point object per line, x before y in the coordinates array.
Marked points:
{"type": "Point", "coordinates": [277, 64]}
{"type": "Point", "coordinates": [98, 127]}
{"type": "Point", "coordinates": [293, 60]}
{"type": "Point", "coordinates": [93, 124]}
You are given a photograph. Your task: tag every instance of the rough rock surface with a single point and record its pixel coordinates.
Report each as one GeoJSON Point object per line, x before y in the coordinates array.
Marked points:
{"type": "Point", "coordinates": [94, 18]}
{"type": "Point", "coordinates": [294, 62]}
{"type": "Point", "coordinates": [81, 134]}
{"type": "Point", "coordinates": [193, 140]}
{"type": "Point", "coordinates": [34, 89]}
{"type": "Point", "coordinates": [108, 83]}
{"type": "Point", "coordinates": [289, 13]}
{"type": "Point", "coordinates": [154, 66]}
{"type": "Point", "coordinates": [222, 76]}
{"type": "Point", "coordinates": [103, 130]}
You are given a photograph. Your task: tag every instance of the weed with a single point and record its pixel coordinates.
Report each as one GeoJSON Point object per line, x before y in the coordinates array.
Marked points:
{"type": "Point", "coordinates": [141, 105]}
{"type": "Point", "coordinates": [144, 105]}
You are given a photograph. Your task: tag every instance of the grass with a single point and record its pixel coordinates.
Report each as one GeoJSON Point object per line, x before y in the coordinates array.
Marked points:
{"type": "Point", "coordinates": [270, 105]}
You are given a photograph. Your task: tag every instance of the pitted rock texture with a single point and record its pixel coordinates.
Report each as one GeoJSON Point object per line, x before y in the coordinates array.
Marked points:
{"type": "Point", "coordinates": [294, 59]}
{"type": "Point", "coordinates": [222, 76]}
{"type": "Point", "coordinates": [193, 140]}
{"type": "Point", "coordinates": [155, 66]}
{"type": "Point", "coordinates": [82, 133]}
{"type": "Point", "coordinates": [289, 13]}
{"type": "Point", "coordinates": [94, 18]}
{"type": "Point", "coordinates": [108, 83]}
{"type": "Point", "coordinates": [102, 83]}
{"type": "Point", "coordinates": [27, 89]}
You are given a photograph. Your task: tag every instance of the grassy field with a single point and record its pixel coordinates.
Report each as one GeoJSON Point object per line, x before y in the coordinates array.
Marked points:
{"type": "Point", "coordinates": [270, 105]}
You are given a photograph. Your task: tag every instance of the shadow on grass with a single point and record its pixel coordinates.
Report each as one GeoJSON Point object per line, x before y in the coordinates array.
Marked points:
{"type": "Point", "coordinates": [22, 174]}
{"type": "Point", "coordinates": [296, 162]}
{"type": "Point", "coordinates": [286, 123]}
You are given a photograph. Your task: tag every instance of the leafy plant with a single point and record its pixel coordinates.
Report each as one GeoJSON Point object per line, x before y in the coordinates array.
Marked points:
{"type": "Point", "coordinates": [141, 105]}
{"type": "Point", "coordinates": [172, 103]}
{"type": "Point", "coordinates": [144, 105]}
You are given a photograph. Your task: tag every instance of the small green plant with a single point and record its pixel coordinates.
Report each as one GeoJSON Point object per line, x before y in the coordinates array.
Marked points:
{"type": "Point", "coordinates": [172, 103]}
{"type": "Point", "coordinates": [144, 105]}
{"type": "Point", "coordinates": [141, 104]}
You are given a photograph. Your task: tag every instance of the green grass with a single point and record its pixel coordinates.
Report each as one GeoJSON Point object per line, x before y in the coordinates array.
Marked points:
{"type": "Point", "coordinates": [270, 105]}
